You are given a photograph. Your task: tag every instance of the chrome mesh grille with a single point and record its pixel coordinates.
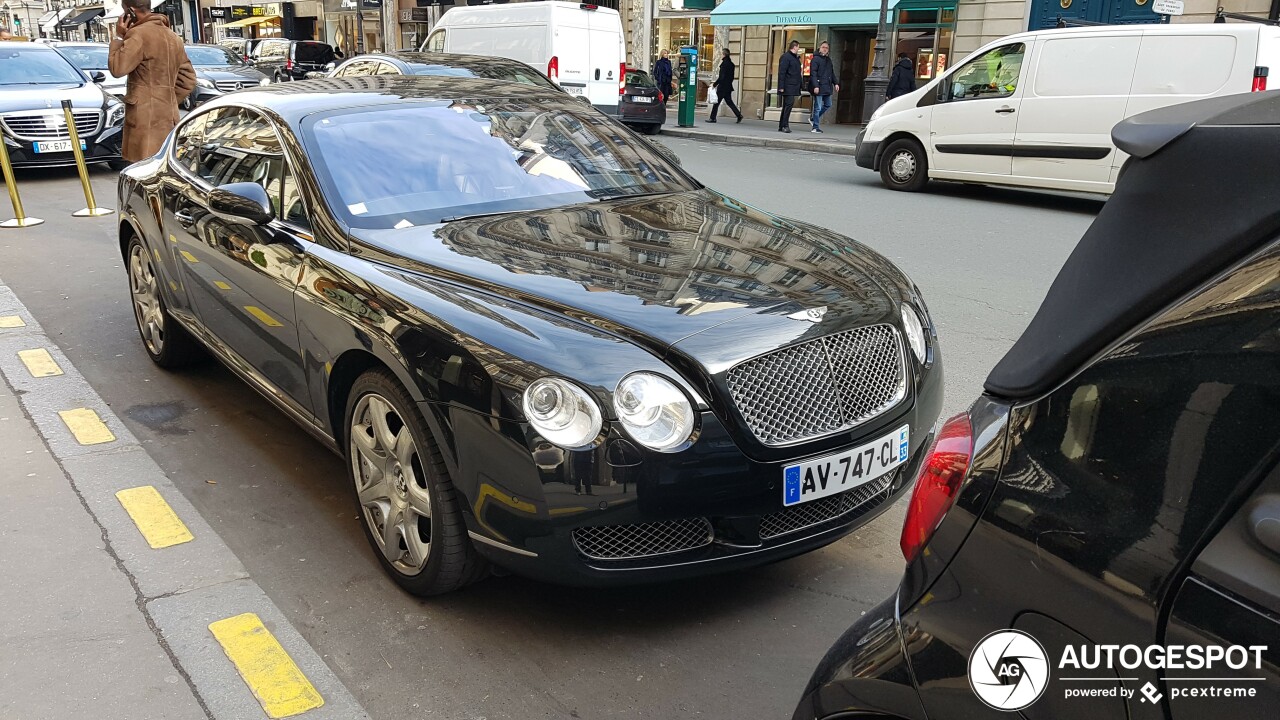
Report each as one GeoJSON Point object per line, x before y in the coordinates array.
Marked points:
{"type": "Point", "coordinates": [51, 125]}
{"type": "Point", "coordinates": [624, 542]}
{"type": "Point", "coordinates": [816, 512]}
{"type": "Point", "coordinates": [822, 386]}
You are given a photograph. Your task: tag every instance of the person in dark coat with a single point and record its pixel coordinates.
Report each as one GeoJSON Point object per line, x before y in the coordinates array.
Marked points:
{"type": "Point", "coordinates": [789, 83]}
{"type": "Point", "coordinates": [724, 88]}
{"type": "Point", "coordinates": [903, 79]}
{"type": "Point", "coordinates": [823, 82]}
{"type": "Point", "coordinates": [662, 75]}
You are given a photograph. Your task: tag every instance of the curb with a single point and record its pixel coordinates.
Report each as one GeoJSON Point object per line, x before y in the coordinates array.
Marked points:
{"type": "Point", "coordinates": [181, 587]}
{"type": "Point", "coordinates": [831, 147]}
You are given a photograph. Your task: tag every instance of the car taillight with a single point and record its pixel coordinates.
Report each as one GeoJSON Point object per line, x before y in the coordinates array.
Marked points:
{"type": "Point", "coordinates": [1260, 79]}
{"type": "Point", "coordinates": [553, 68]}
{"type": "Point", "coordinates": [938, 483]}
{"type": "Point", "coordinates": [622, 78]}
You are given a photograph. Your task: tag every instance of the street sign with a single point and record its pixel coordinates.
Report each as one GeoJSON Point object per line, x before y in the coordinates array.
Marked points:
{"type": "Point", "coordinates": [1167, 7]}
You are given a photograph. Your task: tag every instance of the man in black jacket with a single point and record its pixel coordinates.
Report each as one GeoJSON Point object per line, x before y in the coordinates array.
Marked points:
{"type": "Point", "coordinates": [823, 82]}
{"type": "Point", "coordinates": [724, 88]}
{"type": "Point", "coordinates": [789, 80]}
{"type": "Point", "coordinates": [903, 79]}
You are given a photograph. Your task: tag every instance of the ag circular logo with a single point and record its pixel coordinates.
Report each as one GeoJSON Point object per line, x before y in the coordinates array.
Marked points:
{"type": "Point", "coordinates": [1008, 670]}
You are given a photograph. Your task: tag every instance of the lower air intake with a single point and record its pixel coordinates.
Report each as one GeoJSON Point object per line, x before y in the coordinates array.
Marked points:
{"type": "Point", "coordinates": [816, 512]}
{"type": "Point", "coordinates": [627, 542]}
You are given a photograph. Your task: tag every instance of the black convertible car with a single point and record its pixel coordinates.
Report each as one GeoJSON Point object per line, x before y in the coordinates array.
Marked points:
{"type": "Point", "coordinates": [1098, 538]}
{"type": "Point", "coordinates": [535, 339]}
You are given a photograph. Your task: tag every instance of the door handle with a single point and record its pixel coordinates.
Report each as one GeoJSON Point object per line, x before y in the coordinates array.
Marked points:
{"type": "Point", "coordinates": [184, 218]}
{"type": "Point", "coordinates": [597, 73]}
{"type": "Point", "coordinates": [1005, 110]}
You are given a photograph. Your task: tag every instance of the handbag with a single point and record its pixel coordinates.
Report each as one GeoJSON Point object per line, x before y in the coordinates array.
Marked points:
{"type": "Point", "coordinates": [713, 97]}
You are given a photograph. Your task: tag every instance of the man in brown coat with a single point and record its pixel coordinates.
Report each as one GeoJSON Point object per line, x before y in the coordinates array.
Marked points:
{"type": "Point", "coordinates": [160, 77]}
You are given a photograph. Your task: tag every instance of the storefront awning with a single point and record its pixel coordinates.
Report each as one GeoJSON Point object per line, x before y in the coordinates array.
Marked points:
{"type": "Point", "coordinates": [47, 17]}
{"type": "Point", "coordinates": [251, 21]}
{"type": "Point", "coordinates": [51, 24]}
{"type": "Point", "coordinates": [82, 18]}
{"type": "Point", "coordinates": [798, 12]}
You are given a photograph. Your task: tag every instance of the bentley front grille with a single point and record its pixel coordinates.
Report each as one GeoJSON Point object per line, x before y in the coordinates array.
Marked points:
{"type": "Point", "coordinates": [816, 512]}
{"type": "Point", "coordinates": [822, 386]}
{"type": "Point", "coordinates": [627, 542]}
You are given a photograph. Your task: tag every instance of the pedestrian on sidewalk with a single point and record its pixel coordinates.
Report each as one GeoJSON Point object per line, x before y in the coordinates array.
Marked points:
{"type": "Point", "coordinates": [822, 77]}
{"type": "Point", "coordinates": [903, 79]}
{"type": "Point", "coordinates": [789, 82]}
{"type": "Point", "coordinates": [662, 75]}
{"type": "Point", "coordinates": [724, 88]}
{"type": "Point", "coordinates": [160, 77]}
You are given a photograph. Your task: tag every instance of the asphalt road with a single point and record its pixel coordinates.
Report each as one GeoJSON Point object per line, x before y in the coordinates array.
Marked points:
{"type": "Point", "coordinates": [734, 646]}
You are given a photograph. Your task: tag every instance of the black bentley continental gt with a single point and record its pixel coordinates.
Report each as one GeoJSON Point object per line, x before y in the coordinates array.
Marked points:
{"type": "Point", "coordinates": [536, 341]}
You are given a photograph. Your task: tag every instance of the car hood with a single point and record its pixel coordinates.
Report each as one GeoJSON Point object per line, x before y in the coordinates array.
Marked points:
{"type": "Point", "coordinates": [721, 280]}
{"type": "Point", "coordinates": [231, 72]}
{"type": "Point", "coordinates": [47, 97]}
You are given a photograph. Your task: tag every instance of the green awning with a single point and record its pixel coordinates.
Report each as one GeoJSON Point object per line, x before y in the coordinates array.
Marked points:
{"type": "Point", "coordinates": [699, 4]}
{"type": "Point", "coordinates": [798, 12]}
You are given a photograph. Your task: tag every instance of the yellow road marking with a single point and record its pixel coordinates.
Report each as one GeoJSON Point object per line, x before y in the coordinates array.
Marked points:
{"type": "Point", "coordinates": [173, 239]}
{"type": "Point", "coordinates": [267, 669]}
{"type": "Point", "coordinates": [11, 321]}
{"type": "Point", "coordinates": [264, 318]}
{"type": "Point", "coordinates": [88, 428]}
{"type": "Point", "coordinates": [221, 285]}
{"type": "Point", "coordinates": [39, 363]}
{"type": "Point", "coordinates": [157, 522]}
{"type": "Point", "coordinates": [189, 257]}
{"type": "Point", "coordinates": [173, 286]}
{"type": "Point", "coordinates": [156, 252]}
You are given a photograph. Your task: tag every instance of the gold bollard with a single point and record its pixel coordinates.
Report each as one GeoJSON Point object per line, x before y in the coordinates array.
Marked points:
{"type": "Point", "coordinates": [92, 210]}
{"type": "Point", "coordinates": [20, 219]}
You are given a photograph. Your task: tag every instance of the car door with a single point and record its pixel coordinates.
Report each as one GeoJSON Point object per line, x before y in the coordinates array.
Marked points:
{"type": "Point", "coordinates": [240, 277]}
{"type": "Point", "coordinates": [972, 129]}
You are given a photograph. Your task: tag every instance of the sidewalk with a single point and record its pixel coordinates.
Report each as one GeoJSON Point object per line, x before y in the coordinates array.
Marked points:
{"type": "Point", "coordinates": [835, 139]}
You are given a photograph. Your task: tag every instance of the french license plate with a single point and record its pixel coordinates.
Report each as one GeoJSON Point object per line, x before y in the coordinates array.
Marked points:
{"type": "Point", "coordinates": [844, 470]}
{"type": "Point", "coordinates": [49, 146]}
{"type": "Point", "coordinates": [573, 90]}
{"type": "Point", "coordinates": [641, 99]}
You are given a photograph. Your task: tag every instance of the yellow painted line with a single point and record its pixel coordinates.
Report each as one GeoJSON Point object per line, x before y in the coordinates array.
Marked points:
{"type": "Point", "coordinates": [88, 428]}
{"type": "Point", "coordinates": [267, 669]}
{"type": "Point", "coordinates": [173, 239]}
{"type": "Point", "coordinates": [188, 256]}
{"type": "Point", "coordinates": [221, 285]}
{"type": "Point", "coordinates": [264, 318]}
{"type": "Point", "coordinates": [11, 321]}
{"type": "Point", "coordinates": [157, 522]}
{"type": "Point", "coordinates": [156, 252]}
{"type": "Point", "coordinates": [173, 286]}
{"type": "Point", "coordinates": [39, 363]}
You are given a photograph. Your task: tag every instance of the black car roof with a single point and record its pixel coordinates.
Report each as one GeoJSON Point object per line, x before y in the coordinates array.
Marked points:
{"type": "Point", "coordinates": [1199, 195]}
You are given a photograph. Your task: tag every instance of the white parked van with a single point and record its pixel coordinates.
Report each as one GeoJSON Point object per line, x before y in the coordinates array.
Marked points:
{"type": "Point", "coordinates": [1036, 109]}
{"type": "Point", "coordinates": [580, 46]}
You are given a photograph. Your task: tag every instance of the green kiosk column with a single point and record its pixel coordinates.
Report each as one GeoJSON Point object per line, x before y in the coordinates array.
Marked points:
{"type": "Point", "coordinates": [688, 78]}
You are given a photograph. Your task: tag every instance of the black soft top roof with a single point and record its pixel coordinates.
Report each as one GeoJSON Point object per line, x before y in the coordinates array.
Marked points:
{"type": "Point", "coordinates": [1201, 191]}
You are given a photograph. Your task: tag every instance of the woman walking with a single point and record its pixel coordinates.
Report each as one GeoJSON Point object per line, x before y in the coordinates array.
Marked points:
{"type": "Point", "coordinates": [724, 88]}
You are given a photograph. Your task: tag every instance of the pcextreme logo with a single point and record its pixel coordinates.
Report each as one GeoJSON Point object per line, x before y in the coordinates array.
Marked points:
{"type": "Point", "coordinates": [1009, 670]}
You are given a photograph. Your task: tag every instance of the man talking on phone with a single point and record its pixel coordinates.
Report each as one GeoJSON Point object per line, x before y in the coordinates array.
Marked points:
{"type": "Point", "coordinates": [160, 77]}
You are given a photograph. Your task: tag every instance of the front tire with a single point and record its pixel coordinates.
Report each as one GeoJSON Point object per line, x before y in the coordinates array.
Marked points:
{"type": "Point", "coordinates": [410, 511]}
{"type": "Point", "coordinates": [167, 343]}
{"type": "Point", "coordinates": [904, 166]}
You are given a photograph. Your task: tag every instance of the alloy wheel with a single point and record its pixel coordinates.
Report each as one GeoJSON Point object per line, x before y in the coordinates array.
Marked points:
{"type": "Point", "coordinates": [390, 483]}
{"type": "Point", "coordinates": [902, 166]}
{"type": "Point", "coordinates": [147, 309]}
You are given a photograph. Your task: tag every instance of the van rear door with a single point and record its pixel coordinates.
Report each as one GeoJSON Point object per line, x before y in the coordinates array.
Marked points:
{"type": "Point", "coordinates": [607, 59]}
{"type": "Point", "coordinates": [571, 46]}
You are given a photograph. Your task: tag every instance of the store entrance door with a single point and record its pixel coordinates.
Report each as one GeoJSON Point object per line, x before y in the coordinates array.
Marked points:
{"type": "Point", "coordinates": [854, 66]}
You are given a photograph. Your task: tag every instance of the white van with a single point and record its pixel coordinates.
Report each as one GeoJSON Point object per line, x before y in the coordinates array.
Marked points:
{"type": "Point", "coordinates": [1036, 109]}
{"type": "Point", "coordinates": [580, 46]}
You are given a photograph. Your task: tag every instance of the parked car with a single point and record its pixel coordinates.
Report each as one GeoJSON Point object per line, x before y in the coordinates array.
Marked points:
{"type": "Point", "coordinates": [445, 279]}
{"type": "Point", "coordinates": [641, 104]}
{"type": "Point", "coordinates": [1036, 109]}
{"type": "Point", "coordinates": [34, 80]}
{"type": "Point", "coordinates": [581, 46]}
{"type": "Point", "coordinates": [92, 58]}
{"type": "Point", "coordinates": [241, 46]}
{"type": "Point", "coordinates": [1104, 518]}
{"type": "Point", "coordinates": [283, 60]}
{"type": "Point", "coordinates": [443, 64]}
{"type": "Point", "coordinates": [218, 71]}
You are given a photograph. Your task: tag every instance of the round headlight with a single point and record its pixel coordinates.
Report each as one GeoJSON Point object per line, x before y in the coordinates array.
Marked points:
{"type": "Point", "coordinates": [654, 411]}
{"type": "Point", "coordinates": [915, 331]}
{"type": "Point", "coordinates": [562, 412]}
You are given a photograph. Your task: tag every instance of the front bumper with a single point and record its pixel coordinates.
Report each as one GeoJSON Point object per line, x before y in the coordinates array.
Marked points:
{"type": "Point", "coordinates": [865, 150]}
{"type": "Point", "coordinates": [100, 148]}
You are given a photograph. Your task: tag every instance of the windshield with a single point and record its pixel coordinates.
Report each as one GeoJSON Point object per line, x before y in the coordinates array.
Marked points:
{"type": "Point", "coordinates": [405, 165]}
{"type": "Point", "coordinates": [494, 71]}
{"type": "Point", "coordinates": [86, 57]}
{"type": "Point", "coordinates": [25, 66]}
{"type": "Point", "coordinates": [212, 56]}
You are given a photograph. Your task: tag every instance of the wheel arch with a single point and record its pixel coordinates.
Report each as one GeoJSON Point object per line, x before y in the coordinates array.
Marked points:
{"type": "Point", "coordinates": [891, 139]}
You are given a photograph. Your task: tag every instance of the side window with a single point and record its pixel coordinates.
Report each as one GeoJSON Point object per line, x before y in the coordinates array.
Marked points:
{"type": "Point", "coordinates": [187, 142]}
{"type": "Point", "coordinates": [241, 146]}
{"type": "Point", "coordinates": [387, 69]}
{"type": "Point", "coordinates": [435, 43]}
{"type": "Point", "coordinates": [357, 69]}
{"type": "Point", "coordinates": [993, 74]}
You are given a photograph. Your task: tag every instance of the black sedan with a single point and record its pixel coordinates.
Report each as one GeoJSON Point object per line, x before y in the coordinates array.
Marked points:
{"type": "Point", "coordinates": [218, 71]}
{"type": "Point", "coordinates": [1098, 538]}
{"type": "Point", "coordinates": [34, 80]}
{"type": "Point", "coordinates": [641, 104]}
{"type": "Point", "coordinates": [443, 65]}
{"type": "Point", "coordinates": [536, 341]}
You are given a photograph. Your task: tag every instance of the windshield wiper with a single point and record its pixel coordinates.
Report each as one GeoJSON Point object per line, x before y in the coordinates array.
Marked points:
{"type": "Point", "coordinates": [455, 218]}
{"type": "Point", "coordinates": [603, 195]}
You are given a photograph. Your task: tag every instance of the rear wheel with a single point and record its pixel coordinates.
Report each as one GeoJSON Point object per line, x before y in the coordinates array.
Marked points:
{"type": "Point", "coordinates": [652, 129]}
{"type": "Point", "coordinates": [410, 510]}
{"type": "Point", "coordinates": [904, 166]}
{"type": "Point", "coordinates": [167, 343]}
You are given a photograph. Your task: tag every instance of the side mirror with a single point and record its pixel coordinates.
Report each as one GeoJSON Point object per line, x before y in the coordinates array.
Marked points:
{"type": "Point", "coordinates": [242, 202]}
{"type": "Point", "coordinates": [330, 67]}
{"type": "Point", "coordinates": [98, 76]}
